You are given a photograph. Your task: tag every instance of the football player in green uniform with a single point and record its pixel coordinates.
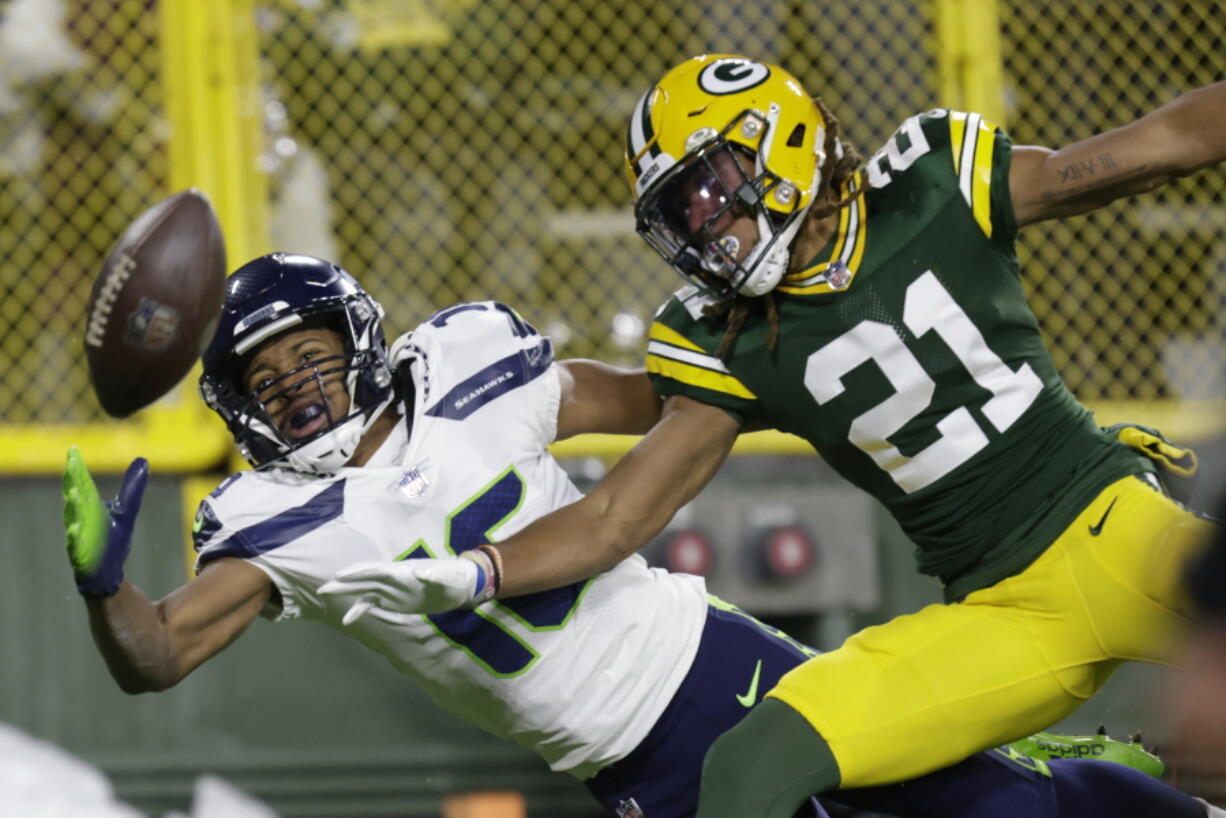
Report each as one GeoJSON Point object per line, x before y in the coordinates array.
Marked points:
{"type": "Point", "coordinates": [874, 308]}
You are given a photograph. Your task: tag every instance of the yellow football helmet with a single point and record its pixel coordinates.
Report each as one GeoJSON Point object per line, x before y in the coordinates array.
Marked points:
{"type": "Point", "coordinates": [722, 134]}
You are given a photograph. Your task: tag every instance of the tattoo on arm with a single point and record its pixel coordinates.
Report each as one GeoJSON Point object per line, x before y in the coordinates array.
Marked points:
{"type": "Point", "coordinates": [1102, 173]}
{"type": "Point", "coordinates": [1103, 163]}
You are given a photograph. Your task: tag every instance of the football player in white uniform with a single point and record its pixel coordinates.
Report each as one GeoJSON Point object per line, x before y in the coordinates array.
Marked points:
{"type": "Point", "coordinates": [434, 448]}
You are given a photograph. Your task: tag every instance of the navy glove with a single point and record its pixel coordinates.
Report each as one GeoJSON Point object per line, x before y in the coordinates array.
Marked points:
{"type": "Point", "coordinates": [99, 534]}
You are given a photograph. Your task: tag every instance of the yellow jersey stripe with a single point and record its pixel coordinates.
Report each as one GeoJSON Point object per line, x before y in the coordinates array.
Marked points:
{"type": "Point", "coordinates": [957, 132]}
{"type": "Point", "coordinates": [697, 376]}
{"type": "Point", "coordinates": [685, 356]}
{"type": "Point", "coordinates": [845, 224]}
{"type": "Point", "coordinates": [981, 178]}
{"type": "Point", "coordinates": [975, 173]}
{"type": "Point", "coordinates": [660, 332]}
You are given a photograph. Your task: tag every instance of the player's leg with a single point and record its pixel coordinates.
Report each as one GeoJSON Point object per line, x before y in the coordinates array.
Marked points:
{"type": "Point", "coordinates": [1128, 553]}
{"type": "Point", "coordinates": [1009, 660]}
{"type": "Point", "coordinates": [1006, 784]}
{"type": "Point", "coordinates": [738, 660]}
{"type": "Point", "coordinates": [767, 766]}
{"type": "Point", "coordinates": [1001, 783]}
{"type": "Point", "coordinates": [1104, 789]}
{"type": "Point", "coordinates": [977, 675]}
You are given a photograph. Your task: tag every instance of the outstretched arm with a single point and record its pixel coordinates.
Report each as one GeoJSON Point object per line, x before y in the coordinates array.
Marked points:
{"type": "Point", "coordinates": [632, 504]}
{"type": "Point", "coordinates": [151, 646]}
{"type": "Point", "coordinates": [597, 397]}
{"type": "Point", "coordinates": [146, 645]}
{"type": "Point", "coordinates": [1179, 138]}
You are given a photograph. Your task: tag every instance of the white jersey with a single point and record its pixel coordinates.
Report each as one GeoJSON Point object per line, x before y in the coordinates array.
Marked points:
{"type": "Point", "coordinates": [579, 674]}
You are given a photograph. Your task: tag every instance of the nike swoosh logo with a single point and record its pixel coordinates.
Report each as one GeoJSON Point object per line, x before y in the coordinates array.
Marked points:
{"type": "Point", "coordinates": [197, 524]}
{"type": "Point", "coordinates": [750, 696]}
{"type": "Point", "coordinates": [1095, 530]}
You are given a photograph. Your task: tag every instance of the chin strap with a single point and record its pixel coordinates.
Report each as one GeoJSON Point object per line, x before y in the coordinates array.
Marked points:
{"type": "Point", "coordinates": [768, 262]}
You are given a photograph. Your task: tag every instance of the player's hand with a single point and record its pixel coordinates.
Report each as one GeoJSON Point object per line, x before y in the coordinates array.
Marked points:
{"type": "Point", "coordinates": [419, 586]}
{"type": "Point", "coordinates": [99, 534]}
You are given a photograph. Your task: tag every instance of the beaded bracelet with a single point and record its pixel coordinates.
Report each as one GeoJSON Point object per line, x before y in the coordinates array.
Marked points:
{"type": "Point", "coordinates": [496, 559]}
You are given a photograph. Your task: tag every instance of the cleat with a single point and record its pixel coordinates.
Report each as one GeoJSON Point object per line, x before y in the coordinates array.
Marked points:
{"type": "Point", "coordinates": [1102, 729]}
{"type": "Point", "coordinates": [1099, 747]}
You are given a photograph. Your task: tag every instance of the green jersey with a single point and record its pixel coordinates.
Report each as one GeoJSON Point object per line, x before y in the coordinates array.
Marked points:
{"type": "Point", "coordinates": [908, 357]}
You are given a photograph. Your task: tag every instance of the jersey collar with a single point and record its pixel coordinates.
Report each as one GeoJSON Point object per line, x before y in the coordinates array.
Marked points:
{"type": "Point", "coordinates": [834, 268]}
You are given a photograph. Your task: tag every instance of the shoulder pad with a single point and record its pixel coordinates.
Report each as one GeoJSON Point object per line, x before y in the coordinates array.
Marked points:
{"type": "Point", "coordinates": [680, 323]}
{"type": "Point", "coordinates": [692, 299]}
{"type": "Point", "coordinates": [940, 137]}
{"type": "Point", "coordinates": [479, 318]}
{"type": "Point", "coordinates": [473, 353]}
{"type": "Point", "coordinates": [948, 150]}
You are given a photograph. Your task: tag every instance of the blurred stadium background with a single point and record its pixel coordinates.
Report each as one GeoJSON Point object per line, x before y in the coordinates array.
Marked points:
{"type": "Point", "coordinates": [447, 150]}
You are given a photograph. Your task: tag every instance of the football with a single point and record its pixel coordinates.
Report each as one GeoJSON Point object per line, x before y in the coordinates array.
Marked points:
{"type": "Point", "coordinates": [155, 303]}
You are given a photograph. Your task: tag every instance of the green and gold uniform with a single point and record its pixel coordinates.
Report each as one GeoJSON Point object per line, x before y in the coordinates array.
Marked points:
{"type": "Point", "coordinates": [922, 377]}
{"type": "Point", "coordinates": [908, 357]}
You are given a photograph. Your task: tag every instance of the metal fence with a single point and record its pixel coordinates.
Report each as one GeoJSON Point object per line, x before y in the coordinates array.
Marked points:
{"type": "Point", "coordinates": [1131, 296]}
{"type": "Point", "coordinates": [445, 150]}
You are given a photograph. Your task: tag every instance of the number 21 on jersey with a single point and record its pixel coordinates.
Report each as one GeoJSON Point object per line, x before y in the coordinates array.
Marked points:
{"type": "Point", "coordinates": [928, 307]}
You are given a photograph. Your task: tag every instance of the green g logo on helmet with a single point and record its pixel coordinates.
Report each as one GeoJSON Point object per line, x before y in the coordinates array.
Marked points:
{"type": "Point", "coordinates": [732, 75]}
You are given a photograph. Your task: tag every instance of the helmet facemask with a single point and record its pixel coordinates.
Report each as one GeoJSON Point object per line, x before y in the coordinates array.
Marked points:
{"type": "Point", "coordinates": [685, 214]}
{"type": "Point", "coordinates": [331, 445]}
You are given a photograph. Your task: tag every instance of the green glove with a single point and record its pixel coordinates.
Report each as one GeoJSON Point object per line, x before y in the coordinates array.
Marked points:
{"type": "Point", "coordinates": [99, 534]}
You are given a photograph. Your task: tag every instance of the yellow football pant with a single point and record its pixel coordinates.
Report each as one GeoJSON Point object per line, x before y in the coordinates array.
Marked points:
{"type": "Point", "coordinates": [1011, 659]}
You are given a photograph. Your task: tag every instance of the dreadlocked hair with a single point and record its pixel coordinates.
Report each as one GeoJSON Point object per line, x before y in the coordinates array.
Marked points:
{"type": "Point", "coordinates": [737, 308]}
{"type": "Point", "coordinates": [839, 173]}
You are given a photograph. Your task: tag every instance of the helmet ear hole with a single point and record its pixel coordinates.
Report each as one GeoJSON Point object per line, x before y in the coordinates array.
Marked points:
{"type": "Point", "coordinates": [797, 137]}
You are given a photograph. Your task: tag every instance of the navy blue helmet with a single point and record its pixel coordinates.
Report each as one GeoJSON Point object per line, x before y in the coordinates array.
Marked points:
{"type": "Point", "coordinates": [274, 294]}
